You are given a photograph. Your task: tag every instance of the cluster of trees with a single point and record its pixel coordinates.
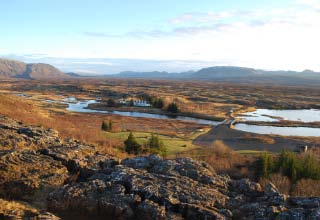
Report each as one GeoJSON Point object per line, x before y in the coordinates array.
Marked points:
{"type": "Point", "coordinates": [173, 108]}
{"type": "Point", "coordinates": [156, 102]}
{"type": "Point", "coordinates": [106, 126]}
{"type": "Point", "coordinates": [289, 164]}
{"type": "Point", "coordinates": [111, 103]}
{"type": "Point", "coordinates": [153, 145]}
{"type": "Point", "coordinates": [132, 146]}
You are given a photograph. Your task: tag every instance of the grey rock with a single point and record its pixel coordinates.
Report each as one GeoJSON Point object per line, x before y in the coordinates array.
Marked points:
{"type": "Point", "coordinates": [314, 215]}
{"type": "Point", "coordinates": [305, 202]}
{"type": "Point", "coordinates": [80, 181]}
{"type": "Point", "coordinates": [247, 187]}
{"type": "Point", "coordinates": [292, 214]}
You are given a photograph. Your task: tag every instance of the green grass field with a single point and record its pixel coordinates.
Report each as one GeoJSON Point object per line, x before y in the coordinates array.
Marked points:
{"type": "Point", "coordinates": [250, 151]}
{"type": "Point", "coordinates": [173, 145]}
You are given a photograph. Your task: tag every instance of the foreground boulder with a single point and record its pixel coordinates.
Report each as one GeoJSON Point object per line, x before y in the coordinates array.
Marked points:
{"type": "Point", "coordinates": [152, 188]}
{"type": "Point", "coordinates": [35, 160]}
{"type": "Point", "coordinates": [125, 192]}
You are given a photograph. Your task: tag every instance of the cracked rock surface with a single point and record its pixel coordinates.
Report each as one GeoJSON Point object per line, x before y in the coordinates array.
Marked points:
{"type": "Point", "coordinates": [75, 181]}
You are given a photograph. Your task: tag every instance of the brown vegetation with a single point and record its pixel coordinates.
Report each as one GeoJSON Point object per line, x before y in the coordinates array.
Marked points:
{"type": "Point", "coordinates": [15, 210]}
{"type": "Point", "coordinates": [87, 127]}
{"type": "Point", "coordinates": [282, 183]}
{"type": "Point", "coordinates": [223, 159]}
{"type": "Point", "coordinates": [307, 187]}
{"type": "Point", "coordinates": [303, 187]}
{"type": "Point", "coordinates": [257, 138]}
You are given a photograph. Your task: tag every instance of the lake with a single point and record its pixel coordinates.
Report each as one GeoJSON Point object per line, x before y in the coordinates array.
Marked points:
{"type": "Point", "coordinates": [82, 106]}
{"type": "Point", "coordinates": [267, 115]}
{"type": "Point", "coordinates": [285, 131]}
{"type": "Point", "coordinates": [311, 115]}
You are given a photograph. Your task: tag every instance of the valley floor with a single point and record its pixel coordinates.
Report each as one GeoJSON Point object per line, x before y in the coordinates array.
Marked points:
{"type": "Point", "coordinates": [74, 180]}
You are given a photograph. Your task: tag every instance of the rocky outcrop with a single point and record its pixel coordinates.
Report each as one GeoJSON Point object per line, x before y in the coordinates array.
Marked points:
{"type": "Point", "coordinates": [125, 192]}
{"type": "Point", "coordinates": [73, 154]}
{"type": "Point", "coordinates": [77, 181]}
{"type": "Point", "coordinates": [152, 188]}
{"type": "Point", "coordinates": [24, 172]}
{"type": "Point", "coordinates": [33, 158]}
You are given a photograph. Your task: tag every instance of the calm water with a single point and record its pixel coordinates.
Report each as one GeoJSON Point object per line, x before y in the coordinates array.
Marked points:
{"type": "Point", "coordinates": [285, 131]}
{"type": "Point", "coordinates": [306, 115]}
{"type": "Point", "coordinates": [81, 106]}
{"type": "Point", "coordinates": [311, 115]}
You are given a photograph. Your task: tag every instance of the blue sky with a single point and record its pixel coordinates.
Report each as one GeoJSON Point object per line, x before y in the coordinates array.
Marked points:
{"type": "Point", "coordinates": [264, 34]}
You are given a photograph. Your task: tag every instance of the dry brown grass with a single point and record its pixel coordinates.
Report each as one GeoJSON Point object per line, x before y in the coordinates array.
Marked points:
{"type": "Point", "coordinates": [83, 127]}
{"type": "Point", "coordinates": [201, 97]}
{"type": "Point", "coordinates": [87, 127]}
{"type": "Point", "coordinates": [15, 209]}
{"type": "Point", "coordinates": [223, 159]}
{"type": "Point", "coordinates": [307, 188]}
{"type": "Point", "coordinates": [257, 139]}
{"type": "Point", "coordinates": [22, 109]}
{"type": "Point", "coordinates": [303, 188]}
{"type": "Point", "coordinates": [282, 183]}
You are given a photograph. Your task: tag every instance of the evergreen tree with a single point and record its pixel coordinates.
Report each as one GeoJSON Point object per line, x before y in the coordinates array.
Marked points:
{"type": "Point", "coordinates": [110, 125]}
{"type": "Point", "coordinates": [290, 165]}
{"type": "Point", "coordinates": [311, 167]}
{"type": "Point", "coordinates": [265, 165]}
{"type": "Point", "coordinates": [156, 145]}
{"type": "Point", "coordinates": [111, 103]}
{"type": "Point", "coordinates": [295, 166]}
{"type": "Point", "coordinates": [131, 145]}
{"type": "Point", "coordinates": [173, 108]}
{"type": "Point", "coordinates": [157, 103]}
{"type": "Point", "coordinates": [104, 126]}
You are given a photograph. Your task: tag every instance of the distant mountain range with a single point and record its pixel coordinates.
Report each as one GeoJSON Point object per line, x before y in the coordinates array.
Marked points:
{"type": "Point", "coordinates": [154, 74]}
{"type": "Point", "coordinates": [232, 74]}
{"type": "Point", "coordinates": [17, 69]}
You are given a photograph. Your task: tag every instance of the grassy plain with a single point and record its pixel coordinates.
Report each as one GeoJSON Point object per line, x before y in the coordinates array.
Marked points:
{"type": "Point", "coordinates": [200, 99]}
{"type": "Point", "coordinates": [225, 149]}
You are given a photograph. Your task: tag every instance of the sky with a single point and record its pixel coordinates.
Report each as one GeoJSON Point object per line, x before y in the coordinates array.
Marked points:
{"type": "Point", "coordinates": [104, 36]}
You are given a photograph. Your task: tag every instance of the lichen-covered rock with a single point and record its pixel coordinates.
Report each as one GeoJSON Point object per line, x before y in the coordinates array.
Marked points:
{"type": "Point", "coordinates": [79, 182]}
{"type": "Point", "coordinates": [314, 215]}
{"type": "Point", "coordinates": [150, 210]}
{"type": "Point", "coordinates": [94, 197]}
{"type": "Point", "coordinates": [141, 162]}
{"type": "Point", "coordinates": [152, 191]}
{"type": "Point", "coordinates": [24, 172]}
{"type": "Point", "coordinates": [246, 187]}
{"type": "Point", "coordinates": [190, 211]}
{"type": "Point", "coordinates": [305, 202]}
{"type": "Point", "coordinates": [292, 214]}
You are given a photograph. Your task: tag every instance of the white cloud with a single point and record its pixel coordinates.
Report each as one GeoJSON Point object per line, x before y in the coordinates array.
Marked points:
{"type": "Point", "coordinates": [271, 38]}
{"type": "Point", "coordinates": [93, 63]}
{"type": "Point", "coordinates": [84, 71]}
{"type": "Point", "coordinates": [202, 17]}
{"type": "Point", "coordinates": [283, 38]}
{"type": "Point", "coordinates": [315, 4]}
